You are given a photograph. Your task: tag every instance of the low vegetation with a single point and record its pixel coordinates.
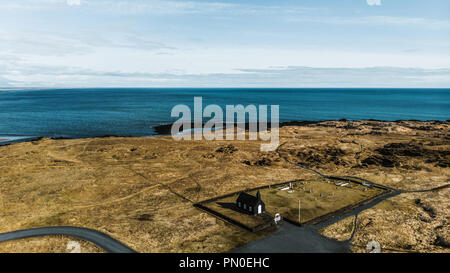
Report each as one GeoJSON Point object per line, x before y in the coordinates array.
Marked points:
{"type": "Point", "coordinates": [141, 191]}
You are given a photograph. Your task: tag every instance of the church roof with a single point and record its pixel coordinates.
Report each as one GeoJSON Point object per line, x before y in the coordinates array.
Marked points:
{"type": "Point", "coordinates": [248, 199]}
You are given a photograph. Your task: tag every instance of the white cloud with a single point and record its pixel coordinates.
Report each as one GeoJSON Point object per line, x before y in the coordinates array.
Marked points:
{"type": "Point", "coordinates": [170, 7]}
{"type": "Point", "coordinates": [165, 7]}
{"type": "Point", "coordinates": [27, 72]}
{"type": "Point", "coordinates": [373, 2]}
{"type": "Point", "coordinates": [74, 44]}
{"type": "Point", "coordinates": [73, 2]}
{"type": "Point", "coordinates": [63, 76]}
{"type": "Point", "coordinates": [377, 20]}
{"type": "Point", "coordinates": [32, 43]}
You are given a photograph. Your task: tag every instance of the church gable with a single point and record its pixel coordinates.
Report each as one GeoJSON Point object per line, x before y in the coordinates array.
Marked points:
{"type": "Point", "coordinates": [249, 203]}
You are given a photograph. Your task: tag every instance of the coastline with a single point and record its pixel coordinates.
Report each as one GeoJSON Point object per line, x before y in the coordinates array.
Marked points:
{"type": "Point", "coordinates": [11, 140]}
{"type": "Point", "coordinates": [149, 184]}
{"type": "Point", "coordinates": [165, 129]}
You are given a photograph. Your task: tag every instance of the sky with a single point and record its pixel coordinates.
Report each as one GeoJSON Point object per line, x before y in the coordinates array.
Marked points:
{"type": "Point", "coordinates": [203, 43]}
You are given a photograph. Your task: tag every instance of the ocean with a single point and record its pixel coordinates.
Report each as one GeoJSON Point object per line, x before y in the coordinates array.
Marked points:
{"type": "Point", "coordinates": [94, 112]}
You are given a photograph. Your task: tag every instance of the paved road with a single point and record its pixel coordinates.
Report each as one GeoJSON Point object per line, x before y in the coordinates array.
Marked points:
{"type": "Point", "coordinates": [104, 241]}
{"type": "Point", "coordinates": [293, 239]}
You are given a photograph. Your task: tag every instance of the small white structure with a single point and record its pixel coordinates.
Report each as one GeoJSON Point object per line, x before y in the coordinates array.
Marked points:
{"type": "Point", "coordinates": [290, 187]}
{"type": "Point", "coordinates": [277, 218]}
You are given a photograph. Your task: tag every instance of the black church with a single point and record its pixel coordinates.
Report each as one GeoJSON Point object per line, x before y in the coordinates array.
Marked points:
{"type": "Point", "coordinates": [251, 204]}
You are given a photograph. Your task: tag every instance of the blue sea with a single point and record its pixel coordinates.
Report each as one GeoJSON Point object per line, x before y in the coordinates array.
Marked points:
{"type": "Point", "coordinates": [79, 113]}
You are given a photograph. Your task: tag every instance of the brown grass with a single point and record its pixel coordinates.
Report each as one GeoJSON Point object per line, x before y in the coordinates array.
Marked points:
{"type": "Point", "coordinates": [317, 198]}
{"type": "Point", "coordinates": [48, 244]}
{"type": "Point", "coordinates": [141, 190]}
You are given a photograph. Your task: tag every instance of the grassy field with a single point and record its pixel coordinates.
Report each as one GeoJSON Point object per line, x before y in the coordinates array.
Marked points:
{"type": "Point", "coordinates": [225, 207]}
{"type": "Point", "coordinates": [317, 198]}
{"type": "Point", "coordinates": [141, 191]}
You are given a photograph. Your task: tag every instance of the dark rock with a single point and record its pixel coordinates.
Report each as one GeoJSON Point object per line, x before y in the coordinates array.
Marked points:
{"type": "Point", "coordinates": [229, 149]}
{"type": "Point", "coordinates": [145, 217]}
{"type": "Point", "coordinates": [313, 158]}
{"type": "Point", "coordinates": [379, 161]}
{"type": "Point", "coordinates": [261, 162]}
{"type": "Point", "coordinates": [401, 149]}
{"type": "Point", "coordinates": [428, 209]}
{"type": "Point", "coordinates": [439, 241]}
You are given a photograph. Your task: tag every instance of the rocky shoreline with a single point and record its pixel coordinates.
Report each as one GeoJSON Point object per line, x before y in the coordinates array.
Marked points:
{"type": "Point", "coordinates": [141, 190]}
{"type": "Point", "coordinates": [165, 129]}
